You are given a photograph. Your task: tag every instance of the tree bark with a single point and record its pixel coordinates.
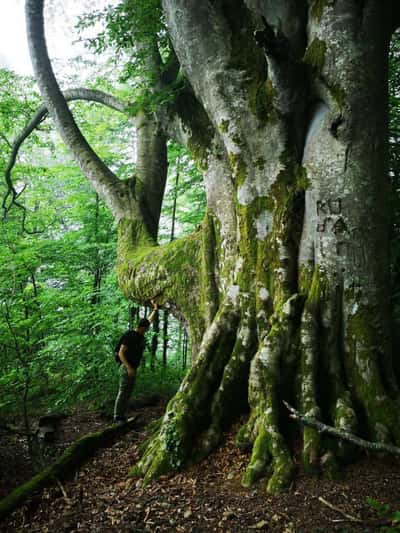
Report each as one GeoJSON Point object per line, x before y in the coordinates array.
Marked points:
{"type": "Point", "coordinates": [284, 287]}
{"type": "Point", "coordinates": [310, 265]}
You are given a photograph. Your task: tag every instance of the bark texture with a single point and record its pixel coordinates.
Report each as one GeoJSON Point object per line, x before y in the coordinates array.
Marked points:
{"type": "Point", "coordinates": [284, 287]}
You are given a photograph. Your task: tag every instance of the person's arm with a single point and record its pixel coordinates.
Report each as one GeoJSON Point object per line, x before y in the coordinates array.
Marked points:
{"type": "Point", "coordinates": [154, 312]}
{"type": "Point", "coordinates": [122, 355]}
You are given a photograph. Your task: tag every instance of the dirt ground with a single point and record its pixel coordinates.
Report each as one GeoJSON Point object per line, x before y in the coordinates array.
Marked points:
{"type": "Point", "coordinates": [207, 497]}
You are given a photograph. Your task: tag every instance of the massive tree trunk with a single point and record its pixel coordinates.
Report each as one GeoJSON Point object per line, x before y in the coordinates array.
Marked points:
{"type": "Point", "coordinates": [284, 288]}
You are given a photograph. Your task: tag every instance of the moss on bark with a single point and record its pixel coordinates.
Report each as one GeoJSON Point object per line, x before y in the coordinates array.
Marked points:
{"type": "Point", "coordinates": [72, 457]}
{"type": "Point", "coordinates": [314, 56]}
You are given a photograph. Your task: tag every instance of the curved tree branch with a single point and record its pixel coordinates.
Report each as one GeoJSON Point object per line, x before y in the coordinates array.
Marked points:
{"type": "Point", "coordinates": [40, 115]}
{"type": "Point", "coordinates": [118, 195]}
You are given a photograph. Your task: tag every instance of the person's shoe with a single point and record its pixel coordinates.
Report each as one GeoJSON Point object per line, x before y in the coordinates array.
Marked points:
{"type": "Point", "coordinates": [120, 419]}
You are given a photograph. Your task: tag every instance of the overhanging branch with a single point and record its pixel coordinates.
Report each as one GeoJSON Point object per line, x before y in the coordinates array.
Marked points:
{"type": "Point", "coordinates": [118, 195]}
{"type": "Point", "coordinates": [40, 115]}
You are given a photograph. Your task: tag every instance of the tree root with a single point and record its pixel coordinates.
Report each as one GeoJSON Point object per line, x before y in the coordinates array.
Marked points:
{"type": "Point", "coordinates": [232, 389]}
{"type": "Point", "coordinates": [308, 393]}
{"type": "Point", "coordinates": [189, 411]}
{"type": "Point", "coordinates": [72, 457]}
{"type": "Point", "coordinates": [269, 444]}
{"type": "Point", "coordinates": [310, 329]}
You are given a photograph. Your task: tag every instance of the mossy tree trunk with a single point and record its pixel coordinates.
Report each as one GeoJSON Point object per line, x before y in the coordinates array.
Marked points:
{"type": "Point", "coordinates": [284, 288]}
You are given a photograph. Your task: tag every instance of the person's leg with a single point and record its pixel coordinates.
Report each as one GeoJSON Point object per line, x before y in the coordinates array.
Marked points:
{"type": "Point", "coordinates": [124, 392]}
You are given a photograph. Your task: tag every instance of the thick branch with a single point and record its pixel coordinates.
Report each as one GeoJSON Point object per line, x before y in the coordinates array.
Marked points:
{"type": "Point", "coordinates": [186, 122]}
{"type": "Point", "coordinates": [169, 273]}
{"type": "Point", "coordinates": [118, 195]}
{"type": "Point", "coordinates": [40, 115]}
{"type": "Point", "coordinates": [340, 434]}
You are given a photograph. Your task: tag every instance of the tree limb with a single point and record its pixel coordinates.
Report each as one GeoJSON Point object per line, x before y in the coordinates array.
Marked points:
{"type": "Point", "coordinates": [340, 434]}
{"type": "Point", "coordinates": [118, 195]}
{"type": "Point", "coordinates": [80, 93]}
{"type": "Point", "coordinates": [72, 457]}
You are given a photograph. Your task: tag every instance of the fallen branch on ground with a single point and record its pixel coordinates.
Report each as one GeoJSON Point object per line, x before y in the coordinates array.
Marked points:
{"type": "Point", "coordinates": [340, 434]}
{"type": "Point", "coordinates": [64, 492]}
{"type": "Point", "coordinates": [72, 457]}
{"type": "Point", "coordinates": [338, 510]}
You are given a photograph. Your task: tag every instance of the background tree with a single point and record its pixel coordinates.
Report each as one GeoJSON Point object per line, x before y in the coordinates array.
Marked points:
{"type": "Point", "coordinates": [61, 310]}
{"type": "Point", "coordinates": [284, 288]}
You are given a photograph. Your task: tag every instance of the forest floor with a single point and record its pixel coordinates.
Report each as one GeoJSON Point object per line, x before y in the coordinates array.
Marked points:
{"type": "Point", "coordinates": [207, 497]}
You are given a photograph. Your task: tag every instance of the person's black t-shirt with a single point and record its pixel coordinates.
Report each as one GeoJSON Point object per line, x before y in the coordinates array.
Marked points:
{"type": "Point", "coordinates": [135, 347]}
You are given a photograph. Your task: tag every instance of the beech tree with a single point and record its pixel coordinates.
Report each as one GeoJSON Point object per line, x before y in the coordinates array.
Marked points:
{"type": "Point", "coordinates": [284, 287]}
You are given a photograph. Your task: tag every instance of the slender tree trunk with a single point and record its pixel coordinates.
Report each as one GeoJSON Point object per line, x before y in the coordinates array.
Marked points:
{"type": "Point", "coordinates": [20, 355]}
{"type": "Point", "coordinates": [133, 315]}
{"type": "Point", "coordinates": [95, 300]}
{"type": "Point", "coordinates": [154, 340]}
{"type": "Point", "coordinates": [165, 337]}
{"type": "Point", "coordinates": [185, 350]}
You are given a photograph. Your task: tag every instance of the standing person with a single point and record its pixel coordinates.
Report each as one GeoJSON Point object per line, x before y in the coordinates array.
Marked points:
{"type": "Point", "coordinates": [129, 354]}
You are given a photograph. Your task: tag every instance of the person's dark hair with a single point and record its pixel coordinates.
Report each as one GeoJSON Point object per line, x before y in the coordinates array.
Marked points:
{"type": "Point", "coordinates": [144, 323]}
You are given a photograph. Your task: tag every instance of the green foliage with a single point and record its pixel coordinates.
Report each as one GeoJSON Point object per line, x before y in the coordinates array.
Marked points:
{"type": "Point", "coordinates": [384, 510]}
{"type": "Point", "coordinates": [135, 32]}
{"type": "Point", "coordinates": [189, 194]}
{"type": "Point", "coordinates": [61, 312]}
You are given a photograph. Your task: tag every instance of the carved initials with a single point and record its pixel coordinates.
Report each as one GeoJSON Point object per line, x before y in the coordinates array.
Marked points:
{"type": "Point", "coordinates": [339, 226]}
{"type": "Point", "coordinates": [331, 207]}
{"type": "Point", "coordinates": [335, 206]}
{"type": "Point", "coordinates": [321, 207]}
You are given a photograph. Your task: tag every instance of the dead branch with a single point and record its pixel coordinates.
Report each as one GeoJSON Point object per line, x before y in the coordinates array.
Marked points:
{"type": "Point", "coordinates": [64, 492]}
{"type": "Point", "coordinates": [338, 510]}
{"type": "Point", "coordinates": [340, 434]}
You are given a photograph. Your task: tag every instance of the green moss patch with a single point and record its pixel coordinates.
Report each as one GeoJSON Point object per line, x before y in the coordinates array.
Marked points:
{"type": "Point", "coordinates": [314, 56]}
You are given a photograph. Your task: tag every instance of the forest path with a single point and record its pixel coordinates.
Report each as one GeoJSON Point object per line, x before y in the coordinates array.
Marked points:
{"type": "Point", "coordinates": [207, 497]}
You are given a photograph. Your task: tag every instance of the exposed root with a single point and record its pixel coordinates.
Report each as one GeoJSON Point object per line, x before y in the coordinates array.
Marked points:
{"type": "Point", "coordinates": [341, 409]}
{"type": "Point", "coordinates": [232, 390]}
{"type": "Point", "coordinates": [323, 390]}
{"type": "Point", "coordinates": [269, 444]}
{"type": "Point", "coordinates": [327, 371]}
{"type": "Point", "coordinates": [330, 366]}
{"type": "Point", "coordinates": [363, 341]}
{"type": "Point", "coordinates": [188, 412]}
{"type": "Point", "coordinates": [308, 394]}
